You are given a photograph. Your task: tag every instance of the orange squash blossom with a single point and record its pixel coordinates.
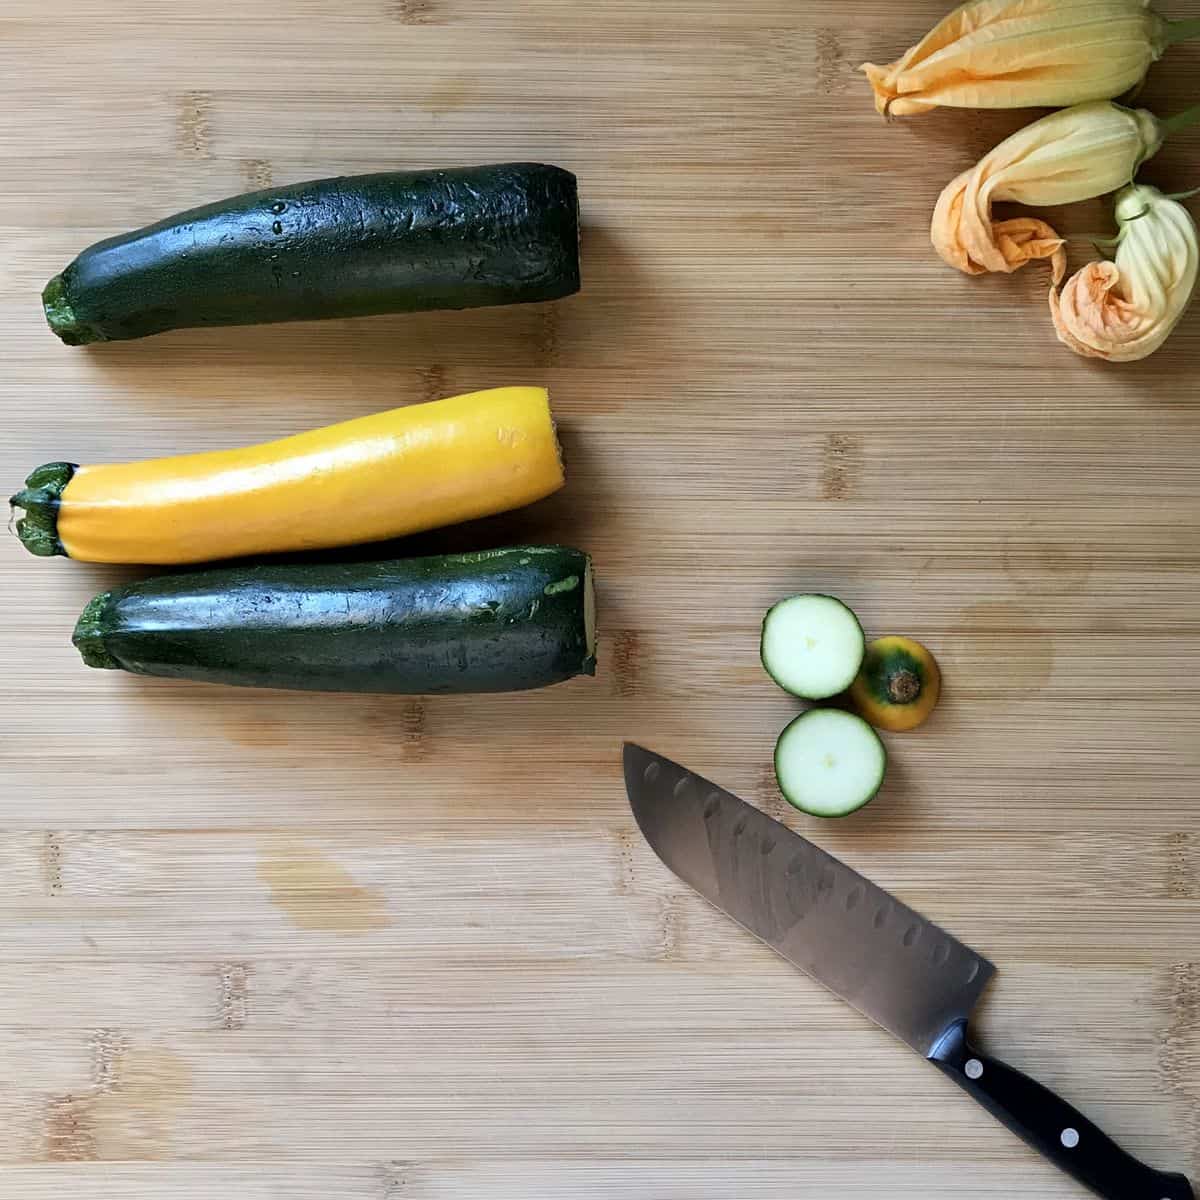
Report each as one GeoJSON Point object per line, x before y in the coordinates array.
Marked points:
{"type": "Point", "coordinates": [1125, 309]}
{"type": "Point", "coordinates": [1081, 152]}
{"type": "Point", "coordinates": [1027, 53]}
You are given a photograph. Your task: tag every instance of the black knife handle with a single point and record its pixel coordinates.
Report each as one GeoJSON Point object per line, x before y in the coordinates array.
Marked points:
{"type": "Point", "coordinates": [1051, 1126]}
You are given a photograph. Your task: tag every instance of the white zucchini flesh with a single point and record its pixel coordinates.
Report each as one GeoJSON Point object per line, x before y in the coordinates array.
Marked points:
{"type": "Point", "coordinates": [812, 646]}
{"type": "Point", "coordinates": [829, 763]}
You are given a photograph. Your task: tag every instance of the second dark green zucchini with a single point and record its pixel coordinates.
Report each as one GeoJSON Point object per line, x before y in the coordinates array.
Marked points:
{"type": "Point", "coordinates": [401, 241]}
{"type": "Point", "coordinates": [494, 621]}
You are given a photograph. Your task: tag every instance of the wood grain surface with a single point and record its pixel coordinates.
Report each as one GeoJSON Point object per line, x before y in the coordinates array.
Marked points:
{"type": "Point", "coordinates": [267, 945]}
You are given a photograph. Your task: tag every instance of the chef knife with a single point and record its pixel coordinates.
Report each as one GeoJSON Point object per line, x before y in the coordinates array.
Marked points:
{"type": "Point", "coordinates": [893, 965]}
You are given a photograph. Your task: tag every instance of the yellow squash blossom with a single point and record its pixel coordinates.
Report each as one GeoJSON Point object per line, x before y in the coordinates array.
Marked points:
{"type": "Point", "coordinates": [1125, 309]}
{"type": "Point", "coordinates": [1072, 155]}
{"type": "Point", "coordinates": [1026, 54]}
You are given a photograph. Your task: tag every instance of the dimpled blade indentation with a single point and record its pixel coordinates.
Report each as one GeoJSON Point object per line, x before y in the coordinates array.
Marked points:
{"type": "Point", "coordinates": [899, 969]}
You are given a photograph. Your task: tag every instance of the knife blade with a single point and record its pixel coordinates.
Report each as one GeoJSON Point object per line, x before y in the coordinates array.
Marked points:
{"type": "Point", "coordinates": [896, 967]}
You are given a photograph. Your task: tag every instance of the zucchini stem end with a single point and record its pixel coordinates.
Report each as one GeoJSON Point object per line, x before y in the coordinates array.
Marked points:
{"type": "Point", "coordinates": [40, 499]}
{"type": "Point", "coordinates": [88, 637]}
{"type": "Point", "coordinates": [60, 316]}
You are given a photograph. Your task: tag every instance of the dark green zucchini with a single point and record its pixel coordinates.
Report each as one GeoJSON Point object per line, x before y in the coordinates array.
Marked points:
{"type": "Point", "coordinates": [494, 621]}
{"type": "Point", "coordinates": [403, 241]}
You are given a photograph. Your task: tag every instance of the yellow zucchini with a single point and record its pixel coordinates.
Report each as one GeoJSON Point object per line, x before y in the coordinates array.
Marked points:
{"type": "Point", "coordinates": [899, 684]}
{"type": "Point", "coordinates": [365, 480]}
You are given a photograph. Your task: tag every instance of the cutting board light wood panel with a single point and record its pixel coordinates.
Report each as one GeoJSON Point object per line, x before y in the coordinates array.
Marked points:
{"type": "Point", "coordinates": [405, 948]}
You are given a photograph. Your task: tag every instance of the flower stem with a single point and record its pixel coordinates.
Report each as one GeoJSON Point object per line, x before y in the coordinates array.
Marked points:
{"type": "Point", "coordinates": [1180, 31]}
{"type": "Point", "coordinates": [1181, 120]}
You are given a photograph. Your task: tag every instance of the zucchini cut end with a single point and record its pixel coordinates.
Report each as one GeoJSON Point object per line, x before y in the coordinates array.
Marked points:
{"type": "Point", "coordinates": [589, 618]}
{"type": "Point", "coordinates": [812, 646]}
{"type": "Point", "coordinates": [40, 499]}
{"type": "Point", "coordinates": [899, 685]}
{"type": "Point", "coordinates": [88, 637]}
{"type": "Point", "coordinates": [60, 316]}
{"type": "Point", "coordinates": [829, 763]}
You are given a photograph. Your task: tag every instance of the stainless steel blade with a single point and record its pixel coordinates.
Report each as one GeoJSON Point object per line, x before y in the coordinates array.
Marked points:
{"type": "Point", "coordinates": [893, 965]}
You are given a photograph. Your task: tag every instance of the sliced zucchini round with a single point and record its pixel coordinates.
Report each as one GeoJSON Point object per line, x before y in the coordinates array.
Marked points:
{"type": "Point", "coordinates": [829, 763]}
{"type": "Point", "coordinates": [812, 646]}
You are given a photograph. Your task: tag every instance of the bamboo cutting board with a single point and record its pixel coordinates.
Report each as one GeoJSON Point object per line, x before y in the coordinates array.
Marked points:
{"type": "Point", "coordinates": [266, 945]}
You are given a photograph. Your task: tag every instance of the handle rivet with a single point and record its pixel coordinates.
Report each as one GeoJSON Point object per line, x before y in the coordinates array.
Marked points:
{"type": "Point", "coordinates": [1070, 1138]}
{"type": "Point", "coordinates": [974, 1069]}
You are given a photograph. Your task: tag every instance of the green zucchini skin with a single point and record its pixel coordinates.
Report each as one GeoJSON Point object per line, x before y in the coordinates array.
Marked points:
{"type": "Point", "coordinates": [401, 241]}
{"type": "Point", "coordinates": [493, 621]}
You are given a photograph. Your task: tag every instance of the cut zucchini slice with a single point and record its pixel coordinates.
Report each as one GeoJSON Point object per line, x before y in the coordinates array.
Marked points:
{"type": "Point", "coordinates": [812, 646]}
{"type": "Point", "coordinates": [829, 763]}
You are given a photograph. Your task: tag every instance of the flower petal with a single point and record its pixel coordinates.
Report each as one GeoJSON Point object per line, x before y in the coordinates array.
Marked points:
{"type": "Point", "coordinates": [1126, 309]}
{"type": "Point", "coordinates": [1018, 53]}
{"type": "Point", "coordinates": [1071, 155]}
